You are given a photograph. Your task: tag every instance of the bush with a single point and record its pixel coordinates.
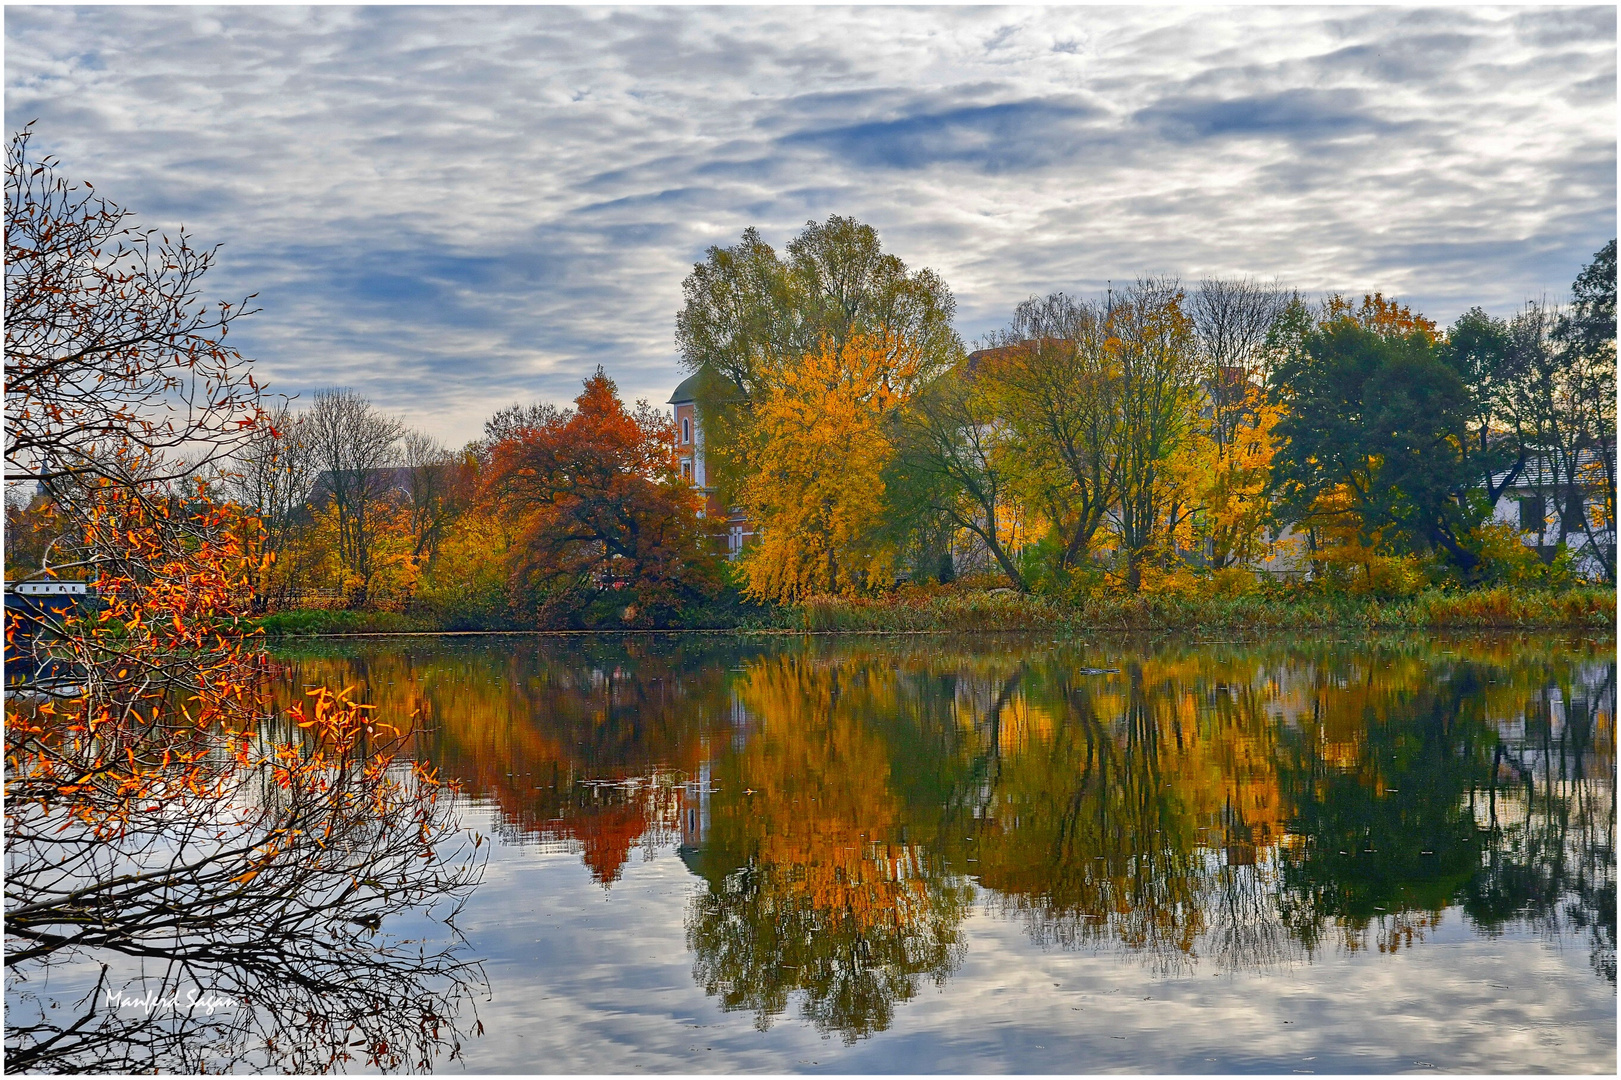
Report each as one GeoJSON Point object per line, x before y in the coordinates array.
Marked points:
{"type": "Point", "coordinates": [1505, 560]}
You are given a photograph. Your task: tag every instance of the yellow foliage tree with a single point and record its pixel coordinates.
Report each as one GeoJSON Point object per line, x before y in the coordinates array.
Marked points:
{"type": "Point", "coordinates": [1225, 482]}
{"type": "Point", "coordinates": [815, 489]}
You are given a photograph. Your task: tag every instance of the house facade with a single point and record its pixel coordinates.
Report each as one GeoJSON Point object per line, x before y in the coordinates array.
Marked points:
{"type": "Point", "coordinates": [689, 445]}
{"type": "Point", "coordinates": [1530, 503]}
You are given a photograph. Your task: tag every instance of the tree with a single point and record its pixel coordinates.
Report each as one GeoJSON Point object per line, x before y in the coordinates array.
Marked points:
{"type": "Point", "coordinates": [354, 447]}
{"type": "Point", "coordinates": [1375, 415]}
{"type": "Point", "coordinates": [951, 461]}
{"type": "Point", "coordinates": [816, 489]}
{"type": "Point", "coordinates": [159, 826]}
{"type": "Point", "coordinates": [112, 355]}
{"type": "Point", "coordinates": [749, 314]}
{"type": "Point", "coordinates": [1589, 327]}
{"type": "Point", "coordinates": [1232, 318]}
{"type": "Point", "coordinates": [1555, 399]}
{"type": "Point", "coordinates": [1226, 481]}
{"type": "Point", "coordinates": [514, 420]}
{"type": "Point", "coordinates": [1056, 376]}
{"type": "Point", "coordinates": [607, 531]}
{"type": "Point", "coordinates": [1492, 358]}
{"type": "Point", "coordinates": [270, 476]}
{"type": "Point", "coordinates": [440, 484]}
{"type": "Point", "coordinates": [262, 867]}
{"type": "Point", "coordinates": [1587, 336]}
{"type": "Point", "coordinates": [1154, 343]}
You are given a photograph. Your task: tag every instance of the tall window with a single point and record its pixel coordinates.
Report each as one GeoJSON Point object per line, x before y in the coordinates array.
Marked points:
{"type": "Point", "coordinates": [686, 430]}
{"type": "Point", "coordinates": [1533, 513]}
{"type": "Point", "coordinates": [686, 471]}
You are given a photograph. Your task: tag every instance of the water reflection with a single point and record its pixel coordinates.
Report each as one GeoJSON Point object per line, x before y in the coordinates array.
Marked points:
{"type": "Point", "coordinates": [845, 802]}
{"type": "Point", "coordinates": [814, 883]}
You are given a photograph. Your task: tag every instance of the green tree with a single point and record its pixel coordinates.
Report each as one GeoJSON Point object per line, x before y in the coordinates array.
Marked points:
{"type": "Point", "coordinates": [1489, 355]}
{"type": "Point", "coordinates": [952, 464]}
{"type": "Point", "coordinates": [1586, 334]}
{"type": "Point", "coordinates": [1376, 414]}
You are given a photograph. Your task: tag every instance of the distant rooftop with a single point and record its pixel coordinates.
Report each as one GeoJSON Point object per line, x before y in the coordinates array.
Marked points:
{"type": "Point", "coordinates": [686, 391]}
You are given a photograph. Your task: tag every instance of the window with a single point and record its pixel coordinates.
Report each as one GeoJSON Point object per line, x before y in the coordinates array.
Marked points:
{"type": "Point", "coordinates": [686, 430]}
{"type": "Point", "coordinates": [1533, 513]}
{"type": "Point", "coordinates": [686, 471]}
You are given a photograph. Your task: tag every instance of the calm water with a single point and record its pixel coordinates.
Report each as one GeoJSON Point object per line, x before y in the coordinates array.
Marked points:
{"type": "Point", "coordinates": [948, 854]}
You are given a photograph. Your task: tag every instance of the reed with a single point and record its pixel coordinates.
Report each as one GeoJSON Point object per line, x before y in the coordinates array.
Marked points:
{"type": "Point", "coordinates": [1579, 608]}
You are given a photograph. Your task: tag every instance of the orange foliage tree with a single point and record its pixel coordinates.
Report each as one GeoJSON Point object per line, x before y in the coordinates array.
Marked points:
{"type": "Point", "coordinates": [607, 530]}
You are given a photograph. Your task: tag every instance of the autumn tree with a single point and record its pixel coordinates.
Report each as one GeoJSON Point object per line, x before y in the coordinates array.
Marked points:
{"type": "Point", "coordinates": [1225, 480]}
{"type": "Point", "coordinates": [607, 531]}
{"type": "Point", "coordinates": [153, 811]}
{"type": "Point", "coordinates": [440, 483]}
{"type": "Point", "coordinates": [748, 314]}
{"type": "Point", "coordinates": [96, 304]}
{"type": "Point", "coordinates": [815, 489]}
{"type": "Point", "coordinates": [356, 449]}
{"type": "Point", "coordinates": [1159, 387]}
{"type": "Point", "coordinates": [1232, 318]}
{"type": "Point", "coordinates": [270, 476]}
{"type": "Point", "coordinates": [1226, 462]}
{"type": "Point", "coordinates": [1055, 374]}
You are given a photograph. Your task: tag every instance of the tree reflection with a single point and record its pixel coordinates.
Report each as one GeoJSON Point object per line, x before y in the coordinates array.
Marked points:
{"type": "Point", "coordinates": [1420, 785]}
{"type": "Point", "coordinates": [1130, 817]}
{"type": "Point", "coordinates": [1239, 806]}
{"type": "Point", "coordinates": [253, 923]}
{"type": "Point", "coordinates": [813, 885]}
{"type": "Point", "coordinates": [1550, 816]}
{"type": "Point", "coordinates": [585, 745]}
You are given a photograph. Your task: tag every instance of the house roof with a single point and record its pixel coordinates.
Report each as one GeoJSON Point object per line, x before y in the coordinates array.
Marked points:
{"type": "Point", "coordinates": [1545, 469]}
{"type": "Point", "coordinates": [686, 391]}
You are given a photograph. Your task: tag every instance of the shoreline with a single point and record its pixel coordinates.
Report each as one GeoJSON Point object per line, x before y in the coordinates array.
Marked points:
{"type": "Point", "coordinates": [951, 612]}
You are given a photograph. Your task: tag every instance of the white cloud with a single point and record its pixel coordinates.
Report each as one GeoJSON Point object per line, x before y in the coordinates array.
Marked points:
{"type": "Point", "coordinates": [453, 208]}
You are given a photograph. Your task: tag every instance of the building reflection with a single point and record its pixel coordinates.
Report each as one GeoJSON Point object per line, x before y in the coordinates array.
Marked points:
{"type": "Point", "coordinates": [843, 804]}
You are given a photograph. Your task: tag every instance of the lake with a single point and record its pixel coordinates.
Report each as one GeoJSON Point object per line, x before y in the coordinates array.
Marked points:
{"type": "Point", "coordinates": [931, 854]}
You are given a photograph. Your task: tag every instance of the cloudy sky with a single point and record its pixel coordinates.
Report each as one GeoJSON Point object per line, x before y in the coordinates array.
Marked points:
{"type": "Point", "coordinates": [451, 209]}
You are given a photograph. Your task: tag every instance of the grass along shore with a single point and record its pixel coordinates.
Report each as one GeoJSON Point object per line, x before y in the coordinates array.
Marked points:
{"type": "Point", "coordinates": [963, 611]}
{"type": "Point", "coordinates": [1579, 608]}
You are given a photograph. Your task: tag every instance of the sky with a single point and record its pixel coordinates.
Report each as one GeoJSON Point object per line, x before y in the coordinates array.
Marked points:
{"type": "Point", "coordinates": [450, 209]}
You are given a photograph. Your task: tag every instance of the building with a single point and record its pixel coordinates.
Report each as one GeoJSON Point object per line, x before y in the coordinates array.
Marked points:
{"type": "Point", "coordinates": [35, 611]}
{"type": "Point", "coordinates": [1530, 504]}
{"type": "Point", "coordinates": [388, 482]}
{"type": "Point", "coordinates": [689, 440]}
